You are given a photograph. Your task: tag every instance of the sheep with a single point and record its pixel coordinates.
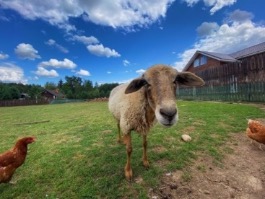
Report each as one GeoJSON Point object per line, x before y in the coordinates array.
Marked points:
{"type": "Point", "coordinates": [139, 104]}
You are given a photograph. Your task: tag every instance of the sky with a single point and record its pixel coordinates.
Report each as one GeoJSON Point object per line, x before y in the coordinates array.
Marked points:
{"type": "Point", "coordinates": [116, 41]}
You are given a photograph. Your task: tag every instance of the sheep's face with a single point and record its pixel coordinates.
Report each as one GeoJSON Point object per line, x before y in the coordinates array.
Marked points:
{"type": "Point", "coordinates": [160, 84]}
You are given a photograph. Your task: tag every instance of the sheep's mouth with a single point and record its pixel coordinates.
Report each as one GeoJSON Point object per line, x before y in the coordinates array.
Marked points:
{"type": "Point", "coordinates": [168, 124]}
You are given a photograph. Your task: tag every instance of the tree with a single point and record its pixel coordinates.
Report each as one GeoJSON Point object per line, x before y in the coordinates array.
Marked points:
{"type": "Point", "coordinates": [50, 86]}
{"type": "Point", "coordinates": [5, 93]}
{"type": "Point", "coordinates": [73, 84]}
{"type": "Point", "coordinates": [60, 84]}
{"type": "Point", "coordinates": [14, 92]}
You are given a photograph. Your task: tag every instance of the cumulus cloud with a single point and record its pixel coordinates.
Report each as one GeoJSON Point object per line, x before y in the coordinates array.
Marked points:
{"type": "Point", "coordinates": [82, 72]}
{"type": "Point", "coordinates": [11, 73]}
{"type": "Point", "coordinates": [85, 40]}
{"type": "Point", "coordinates": [239, 16]}
{"type": "Point", "coordinates": [227, 38]}
{"type": "Point", "coordinates": [140, 71]}
{"type": "Point", "coordinates": [102, 51]}
{"type": "Point", "coordinates": [126, 62]}
{"type": "Point", "coordinates": [26, 51]}
{"type": "Point", "coordinates": [66, 63]}
{"type": "Point", "coordinates": [3, 55]}
{"type": "Point", "coordinates": [207, 28]}
{"type": "Point", "coordinates": [52, 42]}
{"type": "Point", "coordinates": [214, 4]}
{"type": "Point", "coordinates": [46, 73]}
{"type": "Point", "coordinates": [116, 13]}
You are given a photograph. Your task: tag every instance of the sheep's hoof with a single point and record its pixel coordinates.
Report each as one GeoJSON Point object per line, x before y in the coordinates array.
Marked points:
{"type": "Point", "coordinates": [146, 164]}
{"type": "Point", "coordinates": [128, 174]}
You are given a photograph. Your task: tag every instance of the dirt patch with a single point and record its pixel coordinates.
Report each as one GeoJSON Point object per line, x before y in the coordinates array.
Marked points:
{"type": "Point", "coordinates": [241, 175]}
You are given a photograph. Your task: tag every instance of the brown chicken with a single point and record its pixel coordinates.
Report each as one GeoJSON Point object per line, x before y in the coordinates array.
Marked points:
{"type": "Point", "coordinates": [14, 158]}
{"type": "Point", "coordinates": [256, 131]}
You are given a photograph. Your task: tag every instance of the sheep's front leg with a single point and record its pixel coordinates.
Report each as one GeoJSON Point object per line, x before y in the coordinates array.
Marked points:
{"type": "Point", "coordinates": [128, 169]}
{"type": "Point", "coordinates": [145, 160]}
{"type": "Point", "coordinates": [119, 132]}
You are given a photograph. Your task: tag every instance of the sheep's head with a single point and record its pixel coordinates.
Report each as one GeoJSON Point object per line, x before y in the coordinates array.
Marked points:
{"type": "Point", "coordinates": [160, 83]}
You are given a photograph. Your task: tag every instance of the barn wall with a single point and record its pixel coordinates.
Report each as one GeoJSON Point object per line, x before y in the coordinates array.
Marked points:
{"type": "Point", "coordinates": [242, 81]}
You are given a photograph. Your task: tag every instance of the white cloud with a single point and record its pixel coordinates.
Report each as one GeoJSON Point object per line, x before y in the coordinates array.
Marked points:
{"type": "Point", "coordinates": [191, 2]}
{"type": "Point", "coordinates": [86, 40]}
{"type": "Point", "coordinates": [3, 55]}
{"type": "Point", "coordinates": [82, 72]}
{"type": "Point", "coordinates": [26, 51]}
{"type": "Point", "coordinates": [100, 50]}
{"type": "Point", "coordinates": [115, 13]}
{"type": "Point", "coordinates": [239, 16]}
{"type": "Point", "coordinates": [66, 63]}
{"type": "Point", "coordinates": [46, 73]}
{"type": "Point", "coordinates": [126, 13]}
{"type": "Point", "coordinates": [51, 42]}
{"type": "Point", "coordinates": [207, 28]}
{"type": "Point", "coordinates": [214, 4]}
{"type": "Point", "coordinates": [218, 4]}
{"type": "Point", "coordinates": [126, 62]}
{"type": "Point", "coordinates": [12, 73]}
{"type": "Point", "coordinates": [141, 71]}
{"type": "Point", "coordinates": [228, 38]}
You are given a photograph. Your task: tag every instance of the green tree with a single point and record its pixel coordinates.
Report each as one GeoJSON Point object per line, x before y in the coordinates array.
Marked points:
{"type": "Point", "coordinates": [50, 86]}
{"type": "Point", "coordinates": [6, 93]}
{"type": "Point", "coordinates": [60, 84]}
{"type": "Point", "coordinates": [72, 87]}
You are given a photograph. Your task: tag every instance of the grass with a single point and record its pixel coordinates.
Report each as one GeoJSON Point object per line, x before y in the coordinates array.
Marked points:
{"type": "Point", "coordinates": [76, 154]}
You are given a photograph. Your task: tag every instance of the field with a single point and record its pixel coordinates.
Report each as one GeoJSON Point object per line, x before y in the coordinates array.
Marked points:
{"type": "Point", "coordinates": [76, 154]}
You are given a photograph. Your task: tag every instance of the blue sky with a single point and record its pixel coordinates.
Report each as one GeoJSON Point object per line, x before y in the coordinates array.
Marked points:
{"type": "Point", "coordinates": [115, 41]}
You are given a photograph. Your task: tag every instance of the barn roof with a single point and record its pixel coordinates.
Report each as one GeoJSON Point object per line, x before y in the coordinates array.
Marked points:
{"type": "Point", "coordinates": [216, 56]}
{"type": "Point", "coordinates": [233, 57]}
{"type": "Point", "coordinates": [259, 48]}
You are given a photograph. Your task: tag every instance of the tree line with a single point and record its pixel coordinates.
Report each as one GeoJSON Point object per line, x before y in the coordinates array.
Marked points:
{"type": "Point", "coordinates": [72, 87]}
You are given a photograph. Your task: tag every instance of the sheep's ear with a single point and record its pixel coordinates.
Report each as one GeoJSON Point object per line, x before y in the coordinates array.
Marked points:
{"type": "Point", "coordinates": [189, 79]}
{"type": "Point", "coordinates": [135, 85]}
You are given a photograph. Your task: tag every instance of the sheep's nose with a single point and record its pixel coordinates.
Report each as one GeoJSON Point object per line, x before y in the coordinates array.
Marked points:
{"type": "Point", "coordinates": [168, 113]}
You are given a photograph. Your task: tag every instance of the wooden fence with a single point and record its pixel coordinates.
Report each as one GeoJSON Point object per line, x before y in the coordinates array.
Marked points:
{"type": "Point", "coordinates": [240, 81]}
{"type": "Point", "coordinates": [248, 92]}
{"type": "Point", "coordinates": [25, 102]}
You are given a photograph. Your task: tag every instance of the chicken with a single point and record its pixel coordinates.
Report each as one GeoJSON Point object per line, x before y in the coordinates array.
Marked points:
{"type": "Point", "coordinates": [256, 131]}
{"type": "Point", "coordinates": [14, 158]}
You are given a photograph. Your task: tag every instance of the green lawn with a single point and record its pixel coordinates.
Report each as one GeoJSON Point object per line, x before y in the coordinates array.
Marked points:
{"type": "Point", "coordinates": [76, 154]}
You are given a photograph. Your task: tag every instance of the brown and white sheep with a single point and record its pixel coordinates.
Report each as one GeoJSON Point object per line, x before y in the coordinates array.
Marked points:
{"type": "Point", "coordinates": [137, 105]}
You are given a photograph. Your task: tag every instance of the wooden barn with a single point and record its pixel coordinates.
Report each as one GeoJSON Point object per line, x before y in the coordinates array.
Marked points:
{"type": "Point", "coordinates": [239, 76]}
{"type": "Point", "coordinates": [52, 94]}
